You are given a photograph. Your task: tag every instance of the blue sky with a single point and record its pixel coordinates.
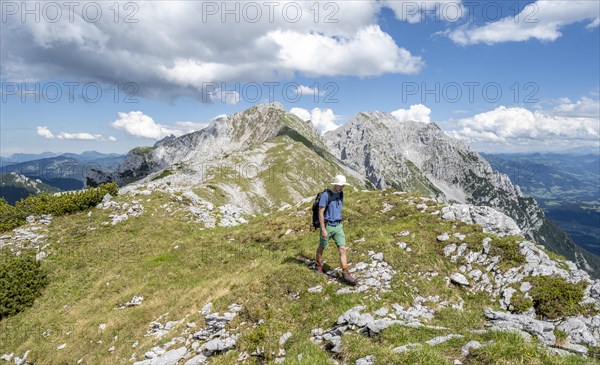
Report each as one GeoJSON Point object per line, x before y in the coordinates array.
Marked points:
{"type": "Point", "coordinates": [432, 61]}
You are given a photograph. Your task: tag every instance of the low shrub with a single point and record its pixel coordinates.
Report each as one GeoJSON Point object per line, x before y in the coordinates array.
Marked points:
{"type": "Point", "coordinates": [554, 297]}
{"type": "Point", "coordinates": [10, 217]}
{"type": "Point", "coordinates": [21, 281]}
{"type": "Point", "coordinates": [519, 303]}
{"type": "Point", "coordinates": [57, 205]}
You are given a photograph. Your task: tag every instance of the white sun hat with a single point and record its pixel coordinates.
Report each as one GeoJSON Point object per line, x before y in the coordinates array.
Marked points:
{"type": "Point", "coordinates": [339, 180]}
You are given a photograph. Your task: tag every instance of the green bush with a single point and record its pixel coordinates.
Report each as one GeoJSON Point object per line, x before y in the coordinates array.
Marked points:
{"type": "Point", "coordinates": [561, 337]}
{"type": "Point", "coordinates": [554, 297]}
{"type": "Point", "coordinates": [21, 282]}
{"type": "Point", "coordinates": [508, 249]}
{"type": "Point", "coordinates": [65, 203]}
{"type": "Point", "coordinates": [519, 303]}
{"type": "Point", "coordinates": [10, 217]}
{"type": "Point", "coordinates": [46, 203]}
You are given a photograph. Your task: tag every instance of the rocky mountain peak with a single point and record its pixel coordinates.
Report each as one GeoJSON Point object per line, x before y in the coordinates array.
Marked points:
{"type": "Point", "coordinates": [420, 156]}
{"type": "Point", "coordinates": [242, 131]}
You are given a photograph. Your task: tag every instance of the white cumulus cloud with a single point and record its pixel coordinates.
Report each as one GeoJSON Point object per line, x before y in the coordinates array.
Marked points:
{"type": "Point", "coordinates": [370, 52]}
{"type": "Point", "coordinates": [541, 20]}
{"type": "Point", "coordinates": [585, 107]}
{"type": "Point", "coordinates": [416, 113]}
{"type": "Point", "coordinates": [80, 135]}
{"type": "Point", "coordinates": [304, 90]}
{"type": "Point", "coordinates": [322, 119]}
{"type": "Point", "coordinates": [175, 48]}
{"type": "Point", "coordinates": [43, 131]}
{"type": "Point", "coordinates": [518, 127]}
{"type": "Point", "coordinates": [139, 124]}
{"type": "Point", "coordinates": [301, 113]}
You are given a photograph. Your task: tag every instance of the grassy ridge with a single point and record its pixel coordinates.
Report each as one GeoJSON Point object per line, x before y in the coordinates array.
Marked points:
{"type": "Point", "coordinates": [178, 268]}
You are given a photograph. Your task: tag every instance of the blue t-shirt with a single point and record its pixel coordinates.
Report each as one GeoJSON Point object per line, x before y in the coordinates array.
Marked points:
{"type": "Point", "coordinates": [334, 212]}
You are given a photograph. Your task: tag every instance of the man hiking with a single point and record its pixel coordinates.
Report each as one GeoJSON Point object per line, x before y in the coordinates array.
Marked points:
{"type": "Point", "coordinates": [330, 220]}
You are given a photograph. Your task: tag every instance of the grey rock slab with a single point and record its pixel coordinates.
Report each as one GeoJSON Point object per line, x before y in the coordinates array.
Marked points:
{"type": "Point", "coordinates": [351, 315]}
{"type": "Point", "coordinates": [525, 286]}
{"type": "Point", "coordinates": [459, 278]}
{"type": "Point", "coordinates": [578, 331]}
{"type": "Point", "coordinates": [378, 256]}
{"type": "Point", "coordinates": [406, 347]}
{"type": "Point", "coordinates": [170, 357]}
{"type": "Point", "coordinates": [196, 360]}
{"type": "Point", "coordinates": [449, 249]}
{"type": "Point", "coordinates": [367, 360]}
{"type": "Point", "coordinates": [381, 311]}
{"type": "Point", "coordinates": [315, 289]}
{"type": "Point", "coordinates": [559, 352]}
{"type": "Point", "coordinates": [468, 346]}
{"type": "Point", "coordinates": [283, 339]}
{"type": "Point", "coordinates": [580, 349]}
{"type": "Point", "coordinates": [443, 237]}
{"type": "Point", "coordinates": [437, 340]}
{"type": "Point", "coordinates": [218, 345]}
{"type": "Point", "coordinates": [489, 218]}
{"type": "Point", "coordinates": [542, 329]}
{"type": "Point", "coordinates": [379, 325]}
{"type": "Point", "coordinates": [364, 320]}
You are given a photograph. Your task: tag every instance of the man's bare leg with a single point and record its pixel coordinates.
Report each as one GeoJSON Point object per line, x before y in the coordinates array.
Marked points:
{"type": "Point", "coordinates": [343, 260]}
{"type": "Point", "coordinates": [345, 272]}
{"type": "Point", "coordinates": [319, 258]}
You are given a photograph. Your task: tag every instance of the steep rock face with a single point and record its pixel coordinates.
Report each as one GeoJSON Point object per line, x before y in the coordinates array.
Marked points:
{"type": "Point", "coordinates": [249, 162]}
{"type": "Point", "coordinates": [419, 156]}
{"type": "Point", "coordinates": [443, 165]}
{"type": "Point", "coordinates": [239, 132]}
{"type": "Point", "coordinates": [364, 144]}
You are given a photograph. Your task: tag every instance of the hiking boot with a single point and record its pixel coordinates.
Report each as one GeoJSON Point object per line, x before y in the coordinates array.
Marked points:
{"type": "Point", "coordinates": [348, 278]}
{"type": "Point", "coordinates": [319, 268]}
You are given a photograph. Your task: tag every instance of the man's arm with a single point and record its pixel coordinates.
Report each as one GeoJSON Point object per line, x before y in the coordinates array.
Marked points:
{"type": "Point", "coordinates": [322, 221]}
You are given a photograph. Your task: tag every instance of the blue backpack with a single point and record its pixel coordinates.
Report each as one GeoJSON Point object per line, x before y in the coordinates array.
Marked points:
{"type": "Point", "coordinates": [315, 207]}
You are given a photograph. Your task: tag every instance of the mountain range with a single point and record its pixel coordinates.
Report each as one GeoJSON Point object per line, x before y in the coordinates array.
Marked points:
{"type": "Point", "coordinates": [264, 157]}
{"type": "Point", "coordinates": [205, 256]}
{"type": "Point", "coordinates": [62, 171]}
{"type": "Point", "coordinates": [566, 187]}
{"type": "Point", "coordinates": [14, 187]}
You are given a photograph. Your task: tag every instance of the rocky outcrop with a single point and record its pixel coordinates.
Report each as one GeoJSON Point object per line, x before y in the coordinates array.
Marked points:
{"type": "Point", "coordinates": [419, 156]}
{"type": "Point", "coordinates": [373, 147]}
{"type": "Point", "coordinates": [193, 348]}
{"type": "Point", "coordinates": [225, 135]}
{"type": "Point", "coordinates": [490, 219]}
{"type": "Point", "coordinates": [32, 236]}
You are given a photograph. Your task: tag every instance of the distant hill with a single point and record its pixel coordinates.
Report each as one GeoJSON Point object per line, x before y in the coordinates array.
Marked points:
{"type": "Point", "coordinates": [64, 172]}
{"type": "Point", "coordinates": [565, 185]}
{"type": "Point", "coordinates": [14, 187]}
{"type": "Point", "coordinates": [23, 157]}
{"type": "Point", "coordinates": [88, 156]}
{"type": "Point", "coordinates": [84, 156]}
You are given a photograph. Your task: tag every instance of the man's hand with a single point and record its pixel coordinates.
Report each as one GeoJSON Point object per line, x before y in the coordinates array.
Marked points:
{"type": "Point", "coordinates": [324, 233]}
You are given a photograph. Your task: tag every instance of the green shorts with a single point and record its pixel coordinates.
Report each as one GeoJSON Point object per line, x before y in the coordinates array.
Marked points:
{"type": "Point", "coordinates": [335, 232]}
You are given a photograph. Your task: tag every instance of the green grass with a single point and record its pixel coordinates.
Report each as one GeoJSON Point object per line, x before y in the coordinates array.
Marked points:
{"type": "Point", "coordinates": [178, 268]}
{"type": "Point", "coordinates": [163, 174]}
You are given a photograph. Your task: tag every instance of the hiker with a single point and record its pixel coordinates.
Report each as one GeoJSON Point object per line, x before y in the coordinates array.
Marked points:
{"type": "Point", "coordinates": [330, 222]}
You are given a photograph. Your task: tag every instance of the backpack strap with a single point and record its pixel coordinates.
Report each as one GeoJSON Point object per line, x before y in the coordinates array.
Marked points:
{"type": "Point", "coordinates": [329, 196]}
{"type": "Point", "coordinates": [329, 199]}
